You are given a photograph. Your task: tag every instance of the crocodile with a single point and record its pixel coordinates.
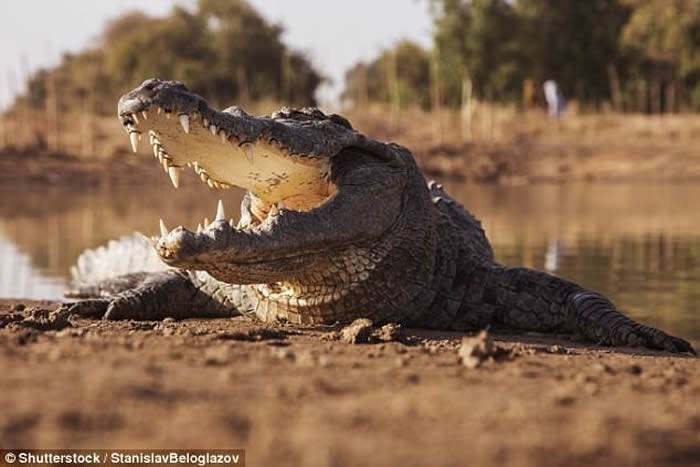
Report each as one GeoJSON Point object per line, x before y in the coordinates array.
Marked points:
{"type": "Point", "coordinates": [334, 227]}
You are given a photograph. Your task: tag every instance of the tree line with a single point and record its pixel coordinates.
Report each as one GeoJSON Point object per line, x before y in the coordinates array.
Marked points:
{"type": "Point", "coordinates": [632, 55]}
{"type": "Point", "coordinates": [223, 49]}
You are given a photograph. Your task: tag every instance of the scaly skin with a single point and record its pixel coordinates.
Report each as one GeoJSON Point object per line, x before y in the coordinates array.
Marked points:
{"type": "Point", "coordinates": [335, 227]}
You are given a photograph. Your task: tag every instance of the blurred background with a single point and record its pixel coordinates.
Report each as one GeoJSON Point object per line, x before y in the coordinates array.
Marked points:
{"type": "Point", "coordinates": [568, 126]}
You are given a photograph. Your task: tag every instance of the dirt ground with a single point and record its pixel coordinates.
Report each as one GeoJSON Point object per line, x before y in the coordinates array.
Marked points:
{"type": "Point", "coordinates": [309, 397]}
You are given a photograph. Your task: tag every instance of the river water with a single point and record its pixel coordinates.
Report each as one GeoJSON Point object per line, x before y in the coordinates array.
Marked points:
{"type": "Point", "coordinates": [639, 244]}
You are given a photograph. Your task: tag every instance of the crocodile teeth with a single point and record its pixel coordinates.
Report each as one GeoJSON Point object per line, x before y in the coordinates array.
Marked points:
{"type": "Point", "coordinates": [212, 128]}
{"type": "Point", "coordinates": [145, 115]}
{"type": "Point", "coordinates": [159, 110]}
{"type": "Point", "coordinates": [136, 119]}
{"type": "Point", "coordinates": [206, 223]}
{"type": "Point", "coordinates": [174, 174]}
{"type": "Point", "coordinates": [248, 151]}
{"type": "Point", "coordinates": [205, 122]}
{"type": "Point", "coordinates": [199, 228]}
{"type": "Point", "coordinates": [134, 140]}
{"type": "Point", "coordinates": [222, 135]}
{"type": "Point", "coordinates": [167, 114]}
{"type": "Point", "coordinates": [232, 224]}
{"type": "Point", "coordinates": [210, 182]}
{"type": "Point", "coordinates": [220, 215]}
{"type": "Point", "coordinates": [155, 151]}
{"type": "Point", "coordinates": [185, 122]}
{"type": "Point", "coordinates": [163, 229]}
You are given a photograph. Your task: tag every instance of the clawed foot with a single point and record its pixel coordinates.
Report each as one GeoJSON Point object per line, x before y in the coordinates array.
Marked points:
{"type": "Point", "coordinates": [652, 338]}
{"type": "Point", "coordinates": [111, 309]}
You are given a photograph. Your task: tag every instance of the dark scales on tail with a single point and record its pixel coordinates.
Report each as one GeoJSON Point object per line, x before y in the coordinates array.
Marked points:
{"type": "Point", "coordinates": [350, 230]}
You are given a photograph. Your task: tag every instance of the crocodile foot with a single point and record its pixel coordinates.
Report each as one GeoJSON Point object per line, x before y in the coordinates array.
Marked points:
{"type": "Point", "coordinates": [168, 294]}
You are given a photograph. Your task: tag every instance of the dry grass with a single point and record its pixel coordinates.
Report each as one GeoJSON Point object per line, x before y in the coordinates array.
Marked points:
{"type": "Point", "coordinates": [502, 143]}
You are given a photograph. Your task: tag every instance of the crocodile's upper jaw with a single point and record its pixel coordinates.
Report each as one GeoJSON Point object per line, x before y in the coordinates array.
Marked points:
{"type": "Point", "coordinates": [221, 160]}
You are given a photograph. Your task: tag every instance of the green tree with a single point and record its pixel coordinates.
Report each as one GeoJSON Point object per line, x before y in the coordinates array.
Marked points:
{"type": "Point", "coordinates": [407, 61]}
{"type": "Point", "coordinates": [575, 43]}
{"type": "Point", "coordinates": [480, 38]}
{"type": "Point", "coordinates": [663, 39]}
{"type": "Point", "coordinates": [223, 49]}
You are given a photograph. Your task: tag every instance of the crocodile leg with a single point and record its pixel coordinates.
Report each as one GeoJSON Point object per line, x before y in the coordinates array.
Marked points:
{"type": "Point", "coordinates": [533, 300]}
{"type": "Point", "coordinates": [152, 296]}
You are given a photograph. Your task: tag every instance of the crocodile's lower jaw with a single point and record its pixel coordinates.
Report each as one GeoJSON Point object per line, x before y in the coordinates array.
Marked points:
{"type": "Point", "coordinates": [220, 160]}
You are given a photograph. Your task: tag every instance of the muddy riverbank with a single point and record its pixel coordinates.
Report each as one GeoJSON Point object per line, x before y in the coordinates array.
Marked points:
{"type": "Point", "coordinates": [305, 396]}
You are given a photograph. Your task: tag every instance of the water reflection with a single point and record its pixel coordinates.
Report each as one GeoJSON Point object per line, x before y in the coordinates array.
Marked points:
{"type": "Point", "coordinates": [639, 244]}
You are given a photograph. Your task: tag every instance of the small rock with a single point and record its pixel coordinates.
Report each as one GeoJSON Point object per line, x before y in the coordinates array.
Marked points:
{"type": "Point", "coordinates": [284, 353]}
{"type": "Point", "coordinates": [358, 332]}
{"type": "Point", "coordinates": [412, 378]}
{"type": "Point", "coordinates": [217, 356]}
{"type": "Point", "coordinates": [475, 350]}
{"type": "Point", "coordinates": [402, 361]}
{"type": "Point", "coordinates": [390, 332]}
{"type": "Point", "coordinates": [330, 336]}
{"type": "Point", "coordinates": [602, 368]}
{"type": "Point", "coordinates": [324, 361]}
{"type": "Point", "coordinates": [564, 399]}
{"type": "Point", "coordinates": [591, 388]}
{"type": "Point", "coordinates": [44, 320]}
{"type": "Point", "coordinates": [556, 349]}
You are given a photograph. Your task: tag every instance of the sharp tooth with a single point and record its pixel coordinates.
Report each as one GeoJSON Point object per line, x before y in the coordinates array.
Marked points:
{"type": "Point", "coordinates": [174, 174]}
{"type": "Point", "coordinates": [136, 119]}
{"type": "Point", "coordinates": [206, 223]}
{"type": "Point", "coordinates": [248, 151]}
{"type": "Point", "coordinates": [222, 134]}
{"type": "Point", "coordinates": [160, 109]}
{"type": "Point", "coordinates": [155, 151]}
{"type": "Point", "coordinates": [167, 114]}
{"type": "Point", "coordinates": [212, 128]}
{"type": "Point", "coordinates": [203, 176]}
{"type": "Point", "coordinates": [205, 122]}
{"type": "Point", "coordinates": [220, 216]}
{"type": "Point", "coordinates": [185, 122]}
{"type": "Point", "coordinates": [163, 229]}
{"type": "Point", "coordinates": [166, 164]}
{"type": "Point", "coordinates": [134, 140]}
{"type": "Point", "coordinates": [199, 228]}
{"type": "Point", "coordinates": [145, 115]}
{"type": "Point", "coordinates": [232, 224]}
{"type": "Point", "coordinates": [210, 182]}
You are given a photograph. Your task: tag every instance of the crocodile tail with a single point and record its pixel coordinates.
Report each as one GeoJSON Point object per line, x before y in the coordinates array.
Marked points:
{"type": "Point", "coordinates": [133, 253]}
{"type": "Point", "coordinates": [537, 301]}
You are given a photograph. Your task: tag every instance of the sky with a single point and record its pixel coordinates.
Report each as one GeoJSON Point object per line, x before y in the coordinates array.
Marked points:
{"type": "Point", "coordinates": [334, 34]}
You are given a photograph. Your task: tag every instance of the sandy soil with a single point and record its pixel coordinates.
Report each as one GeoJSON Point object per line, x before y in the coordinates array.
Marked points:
{"type": "Point", "coordinates": [306, 396]}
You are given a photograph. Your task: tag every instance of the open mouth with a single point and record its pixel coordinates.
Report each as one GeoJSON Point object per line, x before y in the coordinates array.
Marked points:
{"type": "Point", "coordinates": [206, 141]}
